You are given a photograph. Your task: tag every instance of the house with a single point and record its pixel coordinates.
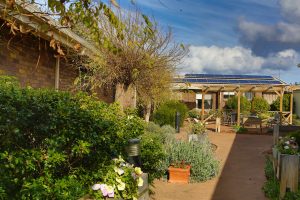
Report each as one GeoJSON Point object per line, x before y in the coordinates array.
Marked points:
{"type": "Point", "coordinates": [210, 91]}
{"type": "Point", "coordinates": [26, 49]}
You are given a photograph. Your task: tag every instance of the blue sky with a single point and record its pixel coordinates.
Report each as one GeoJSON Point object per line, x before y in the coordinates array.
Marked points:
{"type": "Point", "coordinates": [233, 36]}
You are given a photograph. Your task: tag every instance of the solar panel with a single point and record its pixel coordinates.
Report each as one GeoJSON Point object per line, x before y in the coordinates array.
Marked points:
{"type": "Point", "coordinates": [228, 79]}
{"type": "Point", "coordinates": [222, 76]}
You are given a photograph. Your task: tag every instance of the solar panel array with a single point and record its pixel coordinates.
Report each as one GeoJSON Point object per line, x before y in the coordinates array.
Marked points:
{"type": "Point", "coordinates": [229, 79]}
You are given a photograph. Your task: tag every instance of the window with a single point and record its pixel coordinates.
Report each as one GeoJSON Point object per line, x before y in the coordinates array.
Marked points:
{"type": "Point", "coordinates": [227, 95]}
{"type": "Point", "coordinates": [249, 95]}
{"type": "Point", "coordinates": [207, 101]}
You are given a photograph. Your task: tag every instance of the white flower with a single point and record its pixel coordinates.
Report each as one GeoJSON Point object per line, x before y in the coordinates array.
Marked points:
{"type": "Point", "coordinates": [138, 170]}
{"type": "Point", "coordinates": [286, 147]}
{"type": "Point", "coordinates": [121, 186]}
{"type": "Point", "coordinates": [119, 171]}
{"type": "Point", "coordinates": [287, 142]}
{"type": "Point", "coordinates": [140, 182]}
{"type": "Point", "coordinates": [110, 189]}
{"type": "Point", "coordinates": [96, 187]}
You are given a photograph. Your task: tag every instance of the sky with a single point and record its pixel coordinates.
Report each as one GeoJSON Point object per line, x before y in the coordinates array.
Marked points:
{"type": "Point", "coordinates": [232, 36]}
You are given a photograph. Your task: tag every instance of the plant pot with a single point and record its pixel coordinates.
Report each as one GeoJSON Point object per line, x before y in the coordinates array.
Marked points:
{"type": "Point", "coordinates": [197, 137]}
{"type": "Point", "coordinates": [179, 175]}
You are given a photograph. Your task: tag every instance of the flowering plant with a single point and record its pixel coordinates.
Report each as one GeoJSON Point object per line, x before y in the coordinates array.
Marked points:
{"type": "Point", "coordinates": [121, 182]}
{"type": "Point", "coordinates": [287, 145]}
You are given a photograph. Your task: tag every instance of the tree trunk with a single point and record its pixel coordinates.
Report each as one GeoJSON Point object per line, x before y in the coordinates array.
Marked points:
{"type": "Point", "coordinates": [125, 95]}
{"type": "Point", "coordinates": [147, 111]}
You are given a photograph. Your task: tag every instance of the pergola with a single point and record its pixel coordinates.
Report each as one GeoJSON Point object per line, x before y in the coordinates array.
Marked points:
{"type": "Point", "coordinates": [239, 84]}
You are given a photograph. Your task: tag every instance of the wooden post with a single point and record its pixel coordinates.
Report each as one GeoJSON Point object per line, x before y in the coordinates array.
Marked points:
{"type": "Point", "coordinates": [220, 101]}
{"type": "Point", "coordinates": [239, 109]}
{"type": "Point", "coordinates": [281, 106]}
{"type": "Point", "coordinates": [275, 134]}
{"type": "Point", "coordinates": [291, 107]}
{"type": "Point", "coordinates": [202, 105]}
{"type": "Point", "coordinates": [289, 173]}
{"type": "Point", "coordinates": [56, 84]}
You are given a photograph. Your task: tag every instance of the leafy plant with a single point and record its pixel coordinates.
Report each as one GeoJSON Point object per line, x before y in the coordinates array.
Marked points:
{"type": "Point", "coordinates": [165, 113]}
{"type": "Point", "coordinates": [260, 105]}
{"type": "Point", "coordinates": [200, 156]}
{"type": "Point", "coordinates": [275, 106]}
{"type": "Point", "coordinates": [239, 129]}
{"type": "Point", "coordinates": [54, 144]}
{"type": "Point", "coordinates": [287, 145]}
{"type": "Point", "coordinates": [120, 182]}
{"type": "Point", "coordinates": [232, 103]}
{"type": "Point", "coordinates": [194, 113]}
{"type": "Point", "coordinates": [198, 128]}
{"type": "Point", "coordinates": [152, 155]}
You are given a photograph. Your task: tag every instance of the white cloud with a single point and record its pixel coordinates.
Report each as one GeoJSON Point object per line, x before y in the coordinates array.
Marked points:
{"type": "Point", "coordinates": [264, 39]}
{"type": "Point", "coordinates": [290, 9]}
{"type": "Point", "coordinates": [213, 59]}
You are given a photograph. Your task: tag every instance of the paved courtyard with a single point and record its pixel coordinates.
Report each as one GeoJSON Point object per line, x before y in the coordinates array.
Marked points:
{"type": "Point", "coordinates": [242, 171]}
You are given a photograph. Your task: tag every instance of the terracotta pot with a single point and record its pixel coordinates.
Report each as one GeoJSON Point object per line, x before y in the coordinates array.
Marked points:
{"type": "Point", "coordinates": [179, 175]}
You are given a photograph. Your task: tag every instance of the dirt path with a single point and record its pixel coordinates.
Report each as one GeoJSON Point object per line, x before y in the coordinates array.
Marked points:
{"type": "Point", "coordinates": [242, 172]}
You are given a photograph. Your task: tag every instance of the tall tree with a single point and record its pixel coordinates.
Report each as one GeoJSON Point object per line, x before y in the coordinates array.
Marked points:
{"type": "Point", "coordinates": [137, 61]}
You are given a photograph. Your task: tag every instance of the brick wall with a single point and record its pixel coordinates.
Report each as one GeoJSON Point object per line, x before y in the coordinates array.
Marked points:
{"type": "Point", "coordinates": [32, 61]}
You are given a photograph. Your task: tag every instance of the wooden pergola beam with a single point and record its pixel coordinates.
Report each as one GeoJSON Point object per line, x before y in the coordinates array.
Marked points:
{"type": "Point", "coordinates": [239, 108]}
{"type": "Point", "coordinates": [291, 107]}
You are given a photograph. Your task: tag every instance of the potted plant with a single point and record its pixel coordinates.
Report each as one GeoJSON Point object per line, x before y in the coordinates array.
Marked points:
{"type": "Point", "coordinates": [197, 132]}
{"type": "Point", "coordinates": [179, 172]}
{"type": "Point", "coordinates": [286, 147]}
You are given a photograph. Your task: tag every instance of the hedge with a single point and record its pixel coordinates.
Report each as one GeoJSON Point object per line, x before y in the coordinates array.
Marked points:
{"type": "Point", "coordinates": [54, 145]}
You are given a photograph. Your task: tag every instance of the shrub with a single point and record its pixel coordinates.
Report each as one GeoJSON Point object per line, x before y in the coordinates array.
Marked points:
{"type": "Point", "coordinates": [165, 113]}
{"type": "Point", "coordinates": [232, 103]}
{"type": "Point", "coordinates": [194, 113]}
{"type": "Point", "coordinates": [260, 105]}
{"type": "Point", "coordinates": [275, 106]}
{"type": "Point", "coordinates": [53, 145]}
{"type": "Point", "coordinates": [153, 151]}
{"type": "Point", "coordinates": [198, 128]}
{"type": "Point", "coordinates": [199, 155]}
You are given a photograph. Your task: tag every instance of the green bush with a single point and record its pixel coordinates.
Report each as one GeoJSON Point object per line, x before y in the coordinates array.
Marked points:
{"type": "Point", "coordinates": [194, 113]}
{"type": "Point", "coordinates": [275, 106]}
{"type": "Point", "coordinates": [260, 105]}
{"type": "Point", "coordinates": [53, 145]}
{"type": "Point", "coordinates": [198, 128]}
{"type": "Point", "coordinates": [199, 155]}
{"type": "Point", "coordinates": [296, 135]}
{"type": "Point", "coordinates": [153, 152]}
{"type": "Point", "coordinates": [232, 103]}
{"type": "Point", "coordinates": [165, 113]}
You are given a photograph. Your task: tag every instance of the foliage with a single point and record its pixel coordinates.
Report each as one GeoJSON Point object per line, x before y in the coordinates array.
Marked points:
{"type": "Point", "coordinates": [296, 135]}
{"type": "Point", "coordinates": [54, 144]}
{"type": "Point", "coordinates": [260, 105]}
{"type": "Point", "coordinates": [194, 113]}
{"type": "Point", "coordinates": [198, 128]}
{"type": "Point", "coordinates": [264, 115]}
{"type": "Point", "coordinates": [296, 120]}
{"type": "Point", "coordinates": [144, 58]}
{"type": "Point", "coordinates": [199, 155]}
{"type": "Point", "coordinates": [239, 129]}
{"type": "Point", "coordinates": [165, 113]}
{"type": "Point", "coordinates": [232, 103]}
{"type": "Point", "coordinates": [153, 151]}
{"type": "Point", "coordinates": [121, 181]}
{"type": "Point", "coordinates": [275, 106]}
{"type": "Point", "coordinates": [287, 145]}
